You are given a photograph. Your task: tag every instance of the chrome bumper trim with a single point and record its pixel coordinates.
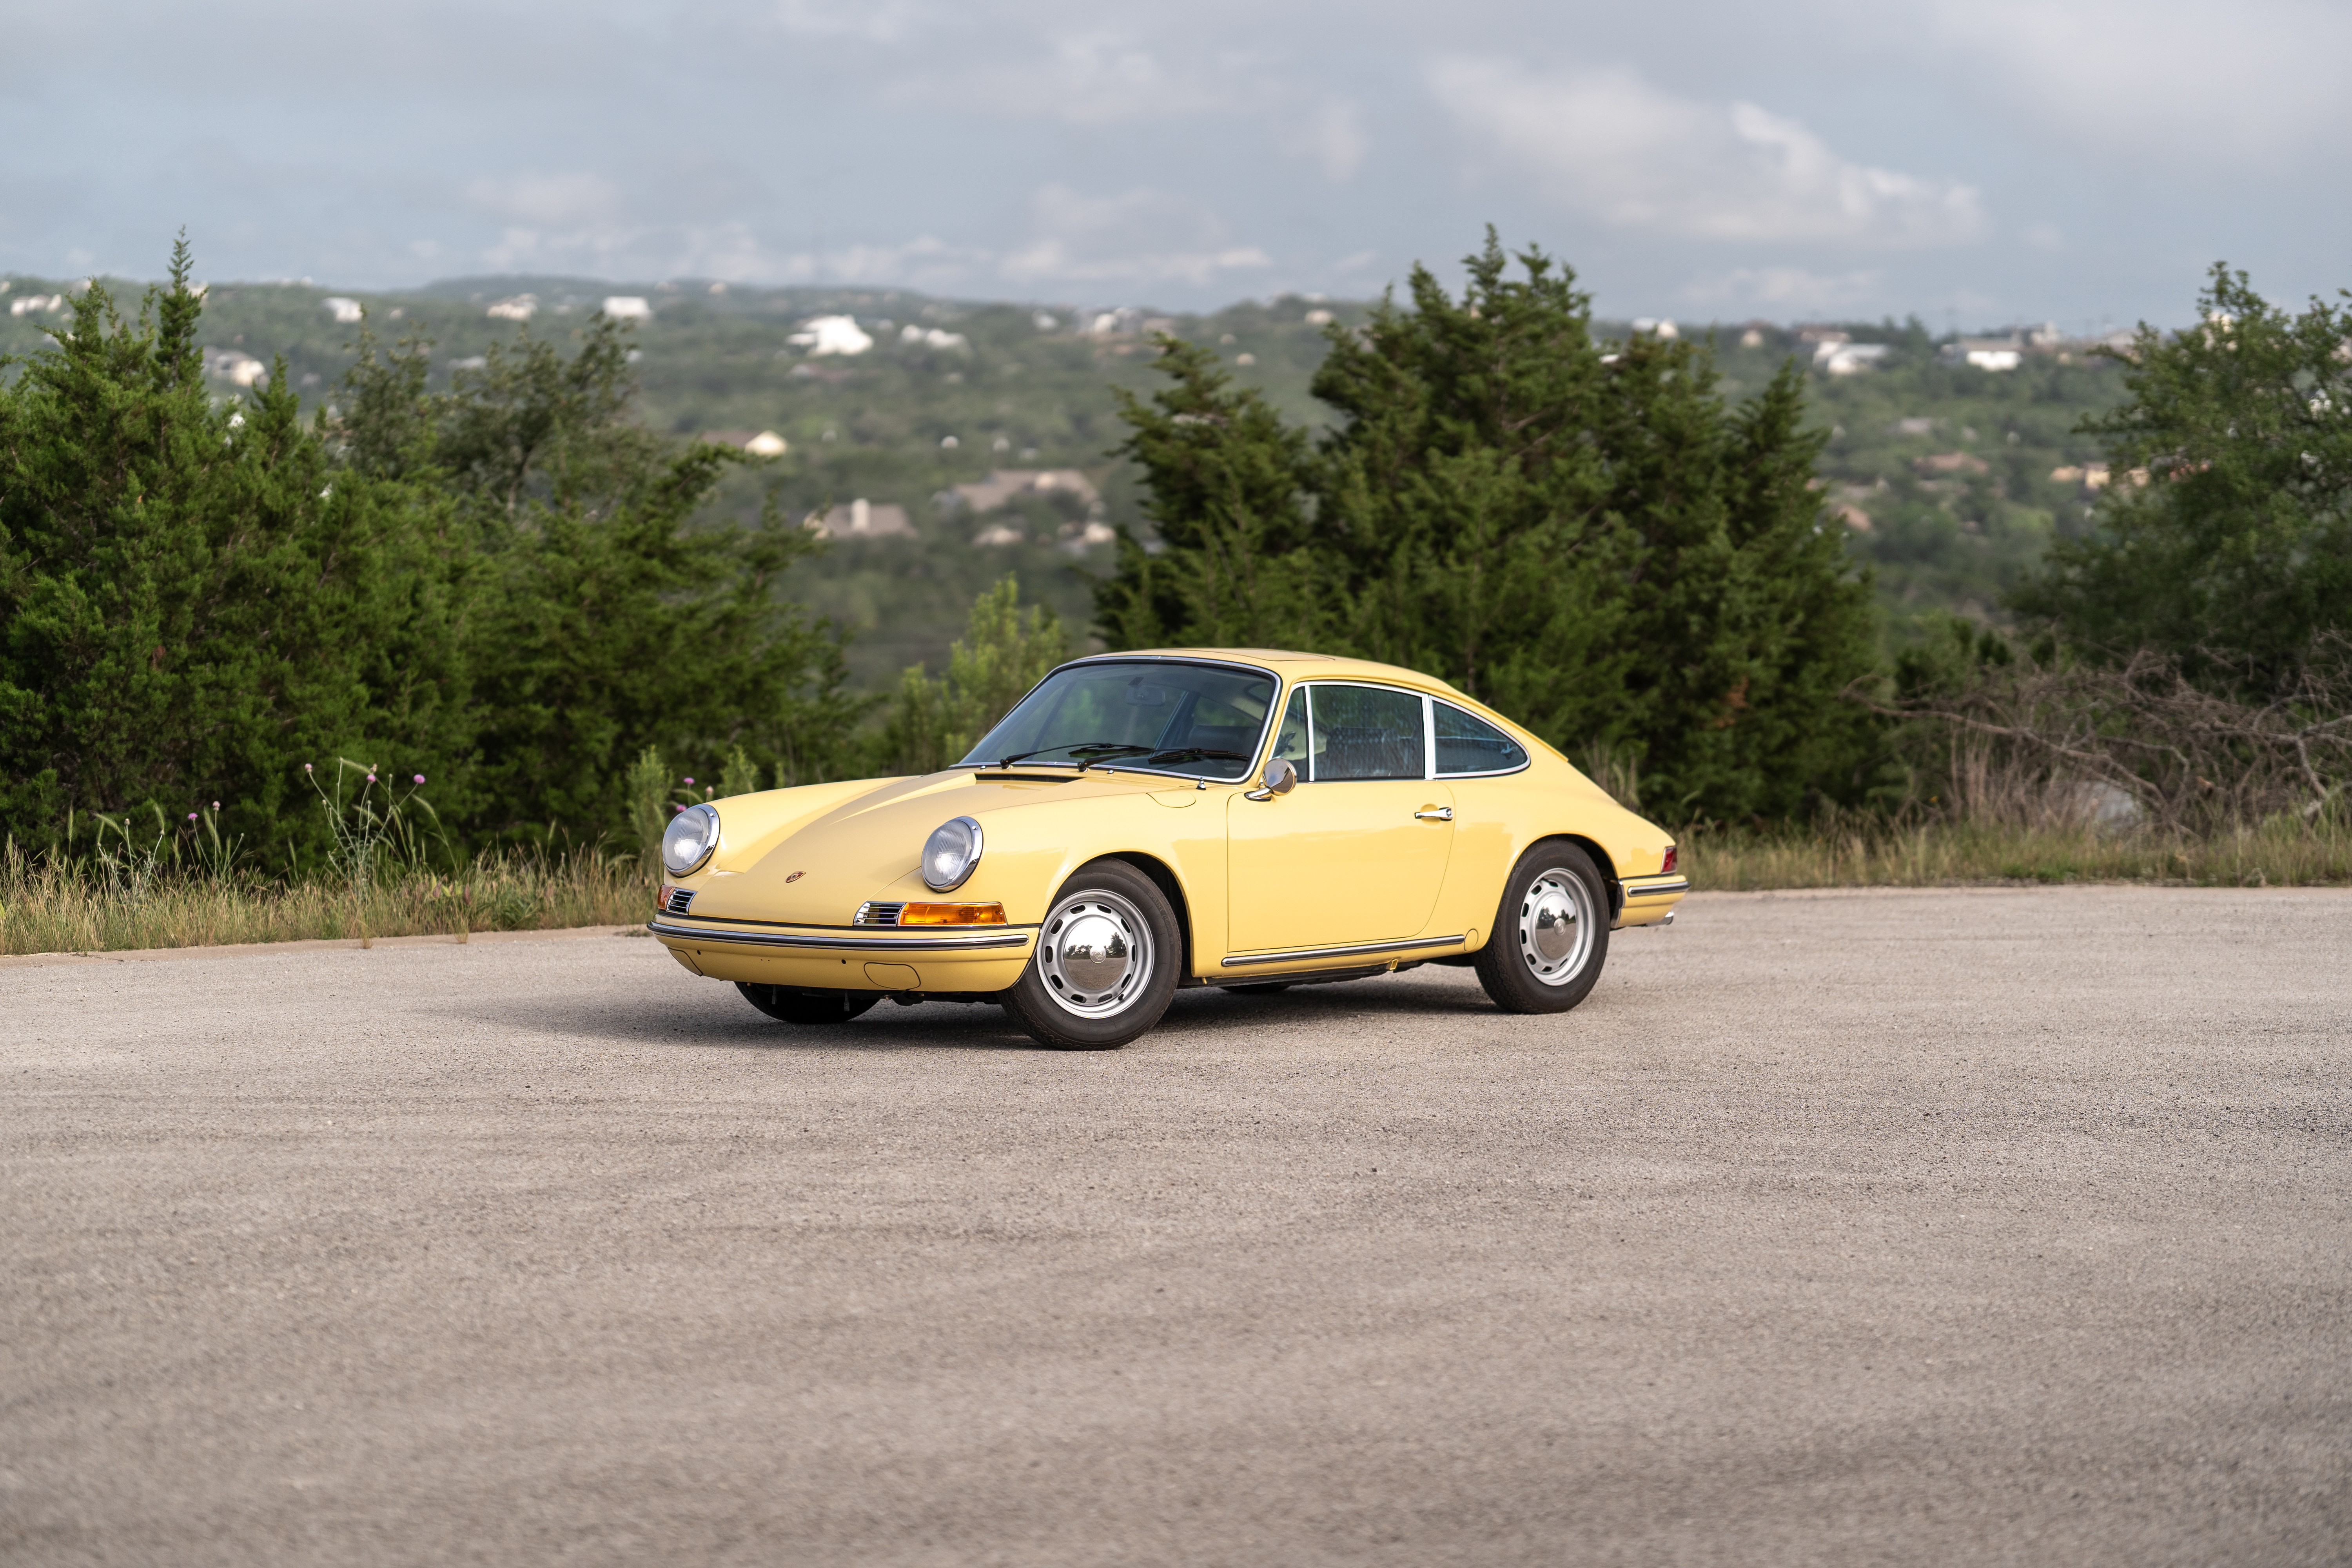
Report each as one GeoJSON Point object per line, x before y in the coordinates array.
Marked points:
{"type": "Point", "coordinates": [1309, 954]}
{"type": "Point", "coordinates": [1654, 889]}
{"type": "Point", "coordinates": [842, 944]}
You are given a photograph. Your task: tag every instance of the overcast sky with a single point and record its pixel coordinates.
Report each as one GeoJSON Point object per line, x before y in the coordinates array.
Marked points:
{"type": "Point", "coordinates": [1977, 161]}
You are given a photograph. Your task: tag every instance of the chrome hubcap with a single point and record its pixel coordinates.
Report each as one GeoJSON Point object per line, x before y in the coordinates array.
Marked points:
{"type": "Point", "coordinates": [1094, 953]}
{"type": "Point", "coordinates": [1556, 928]}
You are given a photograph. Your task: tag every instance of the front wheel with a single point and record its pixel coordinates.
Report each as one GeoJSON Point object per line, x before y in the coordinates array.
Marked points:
{"type": "Point", "coordinates": [1550, 934]}
{"type": "Point", "coordinates": [787, 1005]}
{"type": "Point", "coordinates": [1106, 964]}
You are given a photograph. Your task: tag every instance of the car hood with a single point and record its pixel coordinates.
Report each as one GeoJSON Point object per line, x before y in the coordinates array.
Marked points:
{"type": "Point", "coordinates": [812, 861]}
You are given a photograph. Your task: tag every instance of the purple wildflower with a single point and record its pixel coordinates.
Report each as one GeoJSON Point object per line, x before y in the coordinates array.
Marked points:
{"type": "Point", "coordinates": [371, 778]}
{"type": "Point", "coordinates": [420, 778]}
{"type": "Point", "coordinates": [192, 816]}
{"type": "Point", "coordinates": [690, 781]}
{"type": "Point", "coordinates": [306, 767]}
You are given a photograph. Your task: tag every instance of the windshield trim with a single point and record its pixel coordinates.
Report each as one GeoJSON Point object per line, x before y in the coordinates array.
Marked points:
{"type": "Point", "coordinates": [1257, 748]}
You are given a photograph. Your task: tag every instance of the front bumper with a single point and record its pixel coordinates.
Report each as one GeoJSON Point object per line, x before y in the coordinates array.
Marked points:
{"type": "Point", "coordinates": [961, 960]}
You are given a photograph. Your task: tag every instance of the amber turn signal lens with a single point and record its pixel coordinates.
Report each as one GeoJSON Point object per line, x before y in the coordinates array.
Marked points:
{"type": "Point", "coordinates": [1670, 862]}
{"type": "Point", "coordinates": [661, 899]}
{"type": "Point", "coordinates": [952, 915]}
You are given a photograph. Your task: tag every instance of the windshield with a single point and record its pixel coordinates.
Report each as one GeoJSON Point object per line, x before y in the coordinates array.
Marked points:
{"type": "Point", "coordinates": [1197, 720]}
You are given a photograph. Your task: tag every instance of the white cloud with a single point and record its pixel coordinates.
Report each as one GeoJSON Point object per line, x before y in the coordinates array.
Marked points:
{"type": "Point", "coordinates": [2255, 78]}
{"type": "Point", "coordinates": [1333, 138]}
{"type": "Point", "coordinates": [1101, 77]}
{"type": "Point", "coordinates": [872, 21]}
{"type": "Point", "coordinates": [544, 201]}
{"type": "Point", "coordinates": [1786, 291]}
{"type": "Point", "coordinates": [1142, 238]}
{"type": "Point", "coordinates": [1609, 144]}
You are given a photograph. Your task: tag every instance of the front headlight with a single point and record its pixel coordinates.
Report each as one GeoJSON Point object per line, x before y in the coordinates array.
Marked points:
{"type": "Point", "coordinates": [950, 854]}
{"type": "Point", "coordinates": [692, 835]}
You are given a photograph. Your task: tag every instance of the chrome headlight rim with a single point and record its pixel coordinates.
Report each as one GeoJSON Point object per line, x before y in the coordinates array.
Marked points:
{"type": "Point", "coordinates": [970, 862]}
{"type": "Point", "coordinates": [688, 866]}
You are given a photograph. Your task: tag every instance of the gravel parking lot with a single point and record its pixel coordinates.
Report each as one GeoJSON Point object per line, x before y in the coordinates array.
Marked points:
{"type": "Point", "coordinates": [1868, 1228]}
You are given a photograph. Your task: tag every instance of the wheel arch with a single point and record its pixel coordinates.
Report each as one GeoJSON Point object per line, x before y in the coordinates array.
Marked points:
{"type": "Point", "coordinates": [1601, 860]}
{"type": "Point", "coordinates": [1172, 887]}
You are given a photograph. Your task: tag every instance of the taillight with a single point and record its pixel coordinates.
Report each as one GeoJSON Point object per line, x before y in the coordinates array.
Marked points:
{"type": "Point", "coordinates": [1670, 861]}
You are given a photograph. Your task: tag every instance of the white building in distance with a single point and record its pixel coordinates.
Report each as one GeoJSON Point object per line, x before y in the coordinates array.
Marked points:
{"type": "Point", "coordinates": [628, 308]}
{"type": "Point", "coordinates": [521, 308]}
{"type": "Point", "coordinates": [1005, 484]}
{"type": "Point", "coordinates": [831, 335]}
{"type": "Point", "coordinates": [1848, 359]}
{"type": "Point", "coordinates": [758, 443]}
{"type": "Point", "coordinates": [861, 519]}
{"type": "Point", "coordinates": [347, 312]}
{"type": "Point", "coordinates": [236, 366]}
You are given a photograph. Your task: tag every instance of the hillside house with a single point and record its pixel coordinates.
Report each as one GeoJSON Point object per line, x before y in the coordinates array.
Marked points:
{"type": "Point", "coordinates": [1951, 463]}
{"type": "Point", "coordinates": [627, 308]}
{"type": "Point", "coordinates": [831, 335]}
{"type": "Point", "coordinates": [1986, 353]}
{"type": "Point", "coordinates": [520, 307]}
{"type": "Point", "coordinates": [861, 519]}
{"type": "Point", "coordinates": [1006, 485]}
{"type": "Point", "coordinates": [347, 312]}
{"type": "Point", "coordinates": [758, 443]}
{"type": "Point", "coordinates": [1848, 358]}
{"type": "Point", "coordinates": [236, 366]}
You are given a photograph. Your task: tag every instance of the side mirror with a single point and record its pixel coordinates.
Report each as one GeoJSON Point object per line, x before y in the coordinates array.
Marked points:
{"type": "Point", "coordinates": [1279, 778]}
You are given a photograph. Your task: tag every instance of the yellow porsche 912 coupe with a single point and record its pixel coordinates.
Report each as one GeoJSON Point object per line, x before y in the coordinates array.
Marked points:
{"type": "Point", "coordinates": [1140, 822]}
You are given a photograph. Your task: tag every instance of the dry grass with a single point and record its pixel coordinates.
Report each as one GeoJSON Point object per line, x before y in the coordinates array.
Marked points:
{"type": "Point", "coordinates": [2286, 851]}
{"type": "Point", "coordinates": [49, 906]}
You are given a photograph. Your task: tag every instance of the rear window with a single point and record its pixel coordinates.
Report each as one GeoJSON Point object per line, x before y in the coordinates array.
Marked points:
{"type": "Point", "coordinates": [1468, 744]}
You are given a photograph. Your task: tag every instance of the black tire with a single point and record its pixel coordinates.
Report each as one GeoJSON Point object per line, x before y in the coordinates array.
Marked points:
{"type": "Point", "coordinates": [1517, 972]}
{"type": "Point", "coordinates": [787, 1005]}
{"type": "Point", "coordinates": [1271, 988]}
{"type": "Point", "coordinates": [1056, 1000]}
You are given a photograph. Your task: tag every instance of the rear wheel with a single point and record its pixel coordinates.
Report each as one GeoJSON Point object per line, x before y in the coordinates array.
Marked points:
{"type": "Point", "coordinates": [1551, 935]}
{"type": "Point", "coordinates": [787, 1005]}
{"type": "Point", "coordinates": [1105, 961]}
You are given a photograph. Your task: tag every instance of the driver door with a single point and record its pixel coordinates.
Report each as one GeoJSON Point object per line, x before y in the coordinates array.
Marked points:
{"type": "Point", "coordinates": [1358, 852]}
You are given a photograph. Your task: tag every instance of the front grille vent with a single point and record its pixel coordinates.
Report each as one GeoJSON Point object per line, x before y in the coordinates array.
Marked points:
{"type": "Point", "coordinates": [680, 900]}
{"type": "Point", "coordinates": [872, 914]}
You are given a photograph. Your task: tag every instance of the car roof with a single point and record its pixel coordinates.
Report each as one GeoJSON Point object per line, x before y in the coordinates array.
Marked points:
{"type": "Point", "coordinates": [1295, 666]}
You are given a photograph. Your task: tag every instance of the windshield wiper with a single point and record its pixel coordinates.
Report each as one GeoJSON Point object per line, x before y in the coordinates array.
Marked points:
{"type": "Point", "coordinates": [1197, 754]}
{"type": "Point", "coordinates": [1087, 754]}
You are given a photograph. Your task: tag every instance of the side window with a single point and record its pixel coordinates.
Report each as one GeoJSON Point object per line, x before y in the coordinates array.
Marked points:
{"type": "Point", "coordinates": [1367, 732]}
{"type": "Point", "coordinates": [1290, 741]}
{"type": "Point", "coordinates": [1468, 744]}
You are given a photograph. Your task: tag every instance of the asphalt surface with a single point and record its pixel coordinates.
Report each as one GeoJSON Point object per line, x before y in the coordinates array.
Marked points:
{"type": "Point", "coordinates": [1898, 1227]}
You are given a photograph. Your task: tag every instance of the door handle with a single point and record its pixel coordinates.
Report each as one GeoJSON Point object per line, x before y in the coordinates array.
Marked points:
{"type": "Point", "coordinates": [1434, 813]}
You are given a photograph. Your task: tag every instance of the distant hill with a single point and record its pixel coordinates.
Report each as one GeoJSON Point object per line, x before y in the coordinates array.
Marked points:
{"type": "Point", "coordinates": [1941, 470]}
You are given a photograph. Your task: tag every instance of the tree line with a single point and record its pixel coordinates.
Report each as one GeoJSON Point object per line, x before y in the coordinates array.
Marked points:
{"type": "Point", "coordinates": [1589, 537]}
{"type": "Point", "coordinates": [511, 588]}
{"type": "Point", "coordinates": [494, 586]}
